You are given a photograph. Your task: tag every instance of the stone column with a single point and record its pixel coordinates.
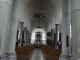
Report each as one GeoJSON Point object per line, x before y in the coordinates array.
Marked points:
{"type": "Point", "coordinates": [56, 41]}
{"type": "Point", "coordinates": [48, 37]}
{"type": "Point", "coordinates": [25, 36]}
{"type": "Point", "coordinates": [65, 30]}
{"type": "Point", "coordinates": [5, 16]}
{"type": "Point", "coordinates": [60, 41]}
{"type": "Point", "coordinates": [75, 15]}
{"type": "Point", "coordinates": [21, 30]}
{"type": "Point", "coordinates": [52, 34]}
{"type": "Point", "coordinates": [12, 31]}
{"type": "Point", "coordinates": [54, 38]}
{"type": "Point", "coordinates": [29, 38]}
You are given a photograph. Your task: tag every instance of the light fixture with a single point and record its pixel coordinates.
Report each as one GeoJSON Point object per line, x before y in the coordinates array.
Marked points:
{"type": "Point", "coordinates": [38, 15]}
{"type": "Point", "coordinates": [39, 25]}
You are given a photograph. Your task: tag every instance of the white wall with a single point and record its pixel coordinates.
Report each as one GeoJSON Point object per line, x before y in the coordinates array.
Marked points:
{"type": "Point", "coordinates": [23, 17]}
{"type": "Point", "coordinates": [57, 16]}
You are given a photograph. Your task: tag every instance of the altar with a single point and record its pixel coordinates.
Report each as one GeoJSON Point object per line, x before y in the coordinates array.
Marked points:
{"type": "Point", "coordinates": [38, 43]}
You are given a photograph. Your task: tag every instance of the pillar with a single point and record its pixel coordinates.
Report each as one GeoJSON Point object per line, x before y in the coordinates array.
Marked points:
{"type": "Point", "coordinates": [5, 15]}
{"type": "Point", "coordinates": [52, 34]}
{"type": "Point", "coordinates": [48, 37]}
{"type": "Point", "coordinates": [12, 31]}
{"type": "Point", "coordinates": [25, 36]}
{"type": "Point", "coordinates": [75, 29]}
{"type": "Point", "coordinates": [60, 41]}
{"type": "Point", "coordinates": [56, 41]}
{"type": "Point", "coordinates": [17, 38]}
{"type": "Point", "coordinates": [21, 30]}
{"type": "Point", "coordinates": [65, 31]}
{"type": "Point", "coordinates": [29, 38]}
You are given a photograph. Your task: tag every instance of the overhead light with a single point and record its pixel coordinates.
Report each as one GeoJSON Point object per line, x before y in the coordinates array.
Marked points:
{"type": "Point", "coordinates": [38, 15]}
{"type": "Point", "coordinates": [38, 27]}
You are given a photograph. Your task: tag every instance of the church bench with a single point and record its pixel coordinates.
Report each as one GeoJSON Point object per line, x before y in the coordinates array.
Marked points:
{"type": "Point", "coordinates": [51, 53]}
{"type": "Point", "coordinates": [24, 52]}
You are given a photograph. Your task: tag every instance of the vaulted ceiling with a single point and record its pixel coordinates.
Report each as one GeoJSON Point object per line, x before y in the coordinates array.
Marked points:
{"type": "Point", "coordinates": [44, 10]}
{"type": "Point", "coordinates": [44, 7]}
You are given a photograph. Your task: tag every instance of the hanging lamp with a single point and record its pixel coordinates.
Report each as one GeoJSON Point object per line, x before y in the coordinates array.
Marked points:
{"type": "Point", "coordinates": [39, 16]}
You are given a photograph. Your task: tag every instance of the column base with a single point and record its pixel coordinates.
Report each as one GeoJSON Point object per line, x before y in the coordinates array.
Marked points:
{"type": "Point", "coordinates": [64, 57]}
{"type": "Point", "coordinates": [74, 58]}
{"type": "Point", "coordinates": [11, 56]}
{"type": "Point", "coordinates": [77, 57]}
{"type": "Point", "coordinates": [3, 57]}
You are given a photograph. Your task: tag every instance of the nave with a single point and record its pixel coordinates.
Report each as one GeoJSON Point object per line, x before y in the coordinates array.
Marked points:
{"type": "Point", "coordinates": [37, 55]}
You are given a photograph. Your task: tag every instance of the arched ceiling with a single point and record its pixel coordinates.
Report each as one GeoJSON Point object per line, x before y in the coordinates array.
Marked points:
{"type": "Point", "coordinates": [36, 4]}
{"type": "Point", "coordinates": [44, 7]}
{"type": "Point", "coordinates": [49, 10]}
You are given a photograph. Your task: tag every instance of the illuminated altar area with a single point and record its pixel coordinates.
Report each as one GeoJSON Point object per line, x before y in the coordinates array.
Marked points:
{"type": "Point", "coordinates": [38, 41]}
{"type": "Point", "coordinates": [38, 37]}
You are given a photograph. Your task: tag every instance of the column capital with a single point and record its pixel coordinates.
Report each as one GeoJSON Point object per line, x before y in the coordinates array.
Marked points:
{"type": "Point", "coordinates": [56, 24]}
{"type": "Point", "coordinates": [52, 31]}
{"type": "Point", "coordinates": [22, 22]}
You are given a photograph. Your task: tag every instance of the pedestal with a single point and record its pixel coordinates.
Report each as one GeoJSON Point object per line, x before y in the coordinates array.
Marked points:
{"type": "Point", "coordinates": [11, 56]}
{"type": "Point", "coordinates": [64, 57]}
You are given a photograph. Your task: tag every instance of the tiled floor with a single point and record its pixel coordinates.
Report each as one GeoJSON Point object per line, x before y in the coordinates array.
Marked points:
{"type": "Point", "coordinates": [37, 55]}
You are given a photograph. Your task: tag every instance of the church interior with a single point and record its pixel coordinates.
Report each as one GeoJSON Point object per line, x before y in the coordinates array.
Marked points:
{"type": "Point", "coordinates": [39, 29]}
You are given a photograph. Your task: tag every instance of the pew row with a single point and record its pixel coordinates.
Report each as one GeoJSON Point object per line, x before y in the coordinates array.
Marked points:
{"type": "Point", "coordinates": [51, 53]}
{"type": "Point", "coordinates": [24, 53]}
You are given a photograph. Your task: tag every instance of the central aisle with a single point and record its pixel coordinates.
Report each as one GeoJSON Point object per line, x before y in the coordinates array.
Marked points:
{"type": "Point", "coordinates": [37, 55]}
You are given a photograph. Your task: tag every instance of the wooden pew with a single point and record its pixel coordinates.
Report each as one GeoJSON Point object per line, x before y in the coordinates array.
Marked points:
{"type": "Point", "coordinates": [51, 53]}
{"type": "Point", "coordinates": [24, 52]}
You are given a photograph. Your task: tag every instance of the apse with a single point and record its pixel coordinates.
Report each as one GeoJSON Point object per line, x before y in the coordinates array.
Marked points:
{"type": "Point", "coordinates": [40, 31]}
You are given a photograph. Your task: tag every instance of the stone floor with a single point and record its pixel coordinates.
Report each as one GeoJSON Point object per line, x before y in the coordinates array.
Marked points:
{"type": "Point", "coordinates": [37, 55]}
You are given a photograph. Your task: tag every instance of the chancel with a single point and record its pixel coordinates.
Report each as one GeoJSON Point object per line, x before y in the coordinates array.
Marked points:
{"type": "Point", "coordinates": [38, 40]}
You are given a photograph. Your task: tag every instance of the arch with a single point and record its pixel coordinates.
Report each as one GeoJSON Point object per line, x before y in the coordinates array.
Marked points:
{"type": "Point", "coordinates": [43, 24]}
{"type": "Point", "coordinates": [43, 33]}
{"type": "Point", "coordinates": [39, 30]}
